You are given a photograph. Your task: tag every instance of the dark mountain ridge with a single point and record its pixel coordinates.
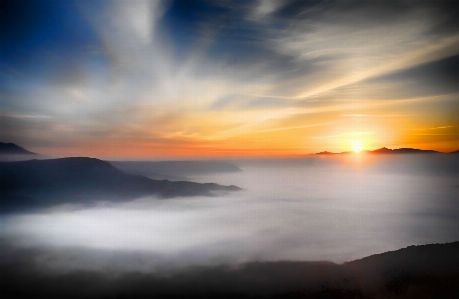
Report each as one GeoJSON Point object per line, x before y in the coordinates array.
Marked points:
{"type": "Point", "coordinates": [385, 150]}
{"type": "Point", "coordinates": [13, 149]}
{"type": "Point", "coordinates": [426, 271]}
{"type": "Point", "coordinates": [13, 152]}
{"type": "Point", "coordinates": [418, 271]}
{"type": "Point", "coordinates": [76, 180]}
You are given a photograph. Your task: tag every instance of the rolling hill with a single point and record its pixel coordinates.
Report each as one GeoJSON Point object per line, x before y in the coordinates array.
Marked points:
{"type": "Point", "coordinates": [13, 149]}
{"type": "Point", "coordinates": [82, 180]}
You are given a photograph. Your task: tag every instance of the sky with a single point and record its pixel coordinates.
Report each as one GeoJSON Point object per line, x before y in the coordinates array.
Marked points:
{"type": "Point", "coordinates": [200, 79]}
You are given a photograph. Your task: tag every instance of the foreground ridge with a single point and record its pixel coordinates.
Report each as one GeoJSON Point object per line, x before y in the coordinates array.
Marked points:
{"type": "Point", "coordinates": [427, 271]}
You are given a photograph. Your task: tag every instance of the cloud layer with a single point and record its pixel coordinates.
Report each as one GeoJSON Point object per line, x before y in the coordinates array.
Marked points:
{"type": "Point", "coordinates": [216, 78]}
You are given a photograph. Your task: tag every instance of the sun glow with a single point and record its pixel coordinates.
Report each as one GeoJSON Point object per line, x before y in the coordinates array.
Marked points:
{"type": "Point", "coordinates": [357, 146]}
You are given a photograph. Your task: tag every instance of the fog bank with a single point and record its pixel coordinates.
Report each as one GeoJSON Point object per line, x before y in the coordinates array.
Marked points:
{"type": "Point", "coordinates": [286, 211]}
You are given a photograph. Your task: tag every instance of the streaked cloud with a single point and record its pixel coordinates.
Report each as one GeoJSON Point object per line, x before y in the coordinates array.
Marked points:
{"type": "Point", "coordinates": [215, 74]}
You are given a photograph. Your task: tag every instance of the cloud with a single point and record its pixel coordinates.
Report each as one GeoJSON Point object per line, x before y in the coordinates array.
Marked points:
{"type": "Point", "coordinates": [265, 8]}
{"type": "Point", "coordinates": [112, 67]}
{"type": "Point", "coordinates": [437, 77]}
{"type": "Point", "coordinates": [350, 55]}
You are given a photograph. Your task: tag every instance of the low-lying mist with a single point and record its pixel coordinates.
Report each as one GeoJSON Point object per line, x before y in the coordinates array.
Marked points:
{"type": "Point", "coordinates": [299, 210]}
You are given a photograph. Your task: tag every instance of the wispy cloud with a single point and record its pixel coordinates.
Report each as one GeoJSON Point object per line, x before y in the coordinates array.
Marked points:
{"type": "Point", "coordinates": [19, 116]}
{"type": "Point", "coordinates": [347, 134]}
{"type": "Point", "coordinates": [436, 128]}
{"type": "Point", "coordinates": [214, 71]}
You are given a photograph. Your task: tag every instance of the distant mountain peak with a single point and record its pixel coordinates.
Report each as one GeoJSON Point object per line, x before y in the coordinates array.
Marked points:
{"type": "Point", "coordinates": [13, 149]}
{"type": "Point", "coordinates": [385, 150]}
{"type": "Point", "coordinates": [325, 153]}
{"type": "Point", "coordinates": [403, 150]}
{"type": "Point", "coordinates": [382, 149]}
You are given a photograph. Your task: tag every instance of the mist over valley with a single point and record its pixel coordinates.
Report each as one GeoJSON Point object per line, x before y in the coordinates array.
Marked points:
{"type": "Point", "coordinates": [66, 217]}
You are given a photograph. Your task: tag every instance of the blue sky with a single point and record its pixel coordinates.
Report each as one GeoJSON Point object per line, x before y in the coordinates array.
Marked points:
{"type": "Point", "coordinates": [228, 78]}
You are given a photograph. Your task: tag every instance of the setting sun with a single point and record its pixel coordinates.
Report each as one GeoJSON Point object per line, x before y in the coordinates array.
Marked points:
{"type": "Point", "coordinates": [357, 146]}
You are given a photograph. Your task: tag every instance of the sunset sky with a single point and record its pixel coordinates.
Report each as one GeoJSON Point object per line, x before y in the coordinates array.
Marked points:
{"type": "Point", "coordinates": [173, 79]}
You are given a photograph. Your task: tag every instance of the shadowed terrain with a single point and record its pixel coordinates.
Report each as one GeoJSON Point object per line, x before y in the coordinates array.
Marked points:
{"type": "Point", "coordinates": [13, 152]}
{"type": "Point", "coordinates": [42, 183]}
{"type": "Point", "coordinates": [385, 150]}
{"type": "Point", "coordinates": [428, 271]}
{"type": "Point", "coordinates": [13, 149]}
{"type": "Point", "coordinates": [174, 169]}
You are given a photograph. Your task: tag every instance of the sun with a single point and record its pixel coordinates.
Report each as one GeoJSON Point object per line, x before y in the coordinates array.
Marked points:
{"type": "Point", "coordinates": [357, 148]}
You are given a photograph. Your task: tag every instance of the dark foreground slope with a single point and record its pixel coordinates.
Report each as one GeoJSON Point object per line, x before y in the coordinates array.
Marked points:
{"type": "Point", "coordinates": [38, 183]}
{"type": "Point", "coordinates": [430, 271]}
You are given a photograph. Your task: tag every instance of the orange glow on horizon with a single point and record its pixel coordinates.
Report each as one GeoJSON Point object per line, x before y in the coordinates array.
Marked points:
{"type": "Point", "coordinates": [295, 137]}
{"type": "Point", "coordinates": [211, 152]}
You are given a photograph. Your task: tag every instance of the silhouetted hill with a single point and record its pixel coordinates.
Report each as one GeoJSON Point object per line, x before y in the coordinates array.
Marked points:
{"type": "Point", "coordinates": [385, 150]}
{"type": "Point", "coordinates": [13, 149]}
{"type": "Point", "coordinates": [429, 271]}
{"type": "Point", "coordinates": [13, 152]}
{"type": "Point", "coordinates": [84, 179]}
{"type": "Point", "coordinates": [324, 153]}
